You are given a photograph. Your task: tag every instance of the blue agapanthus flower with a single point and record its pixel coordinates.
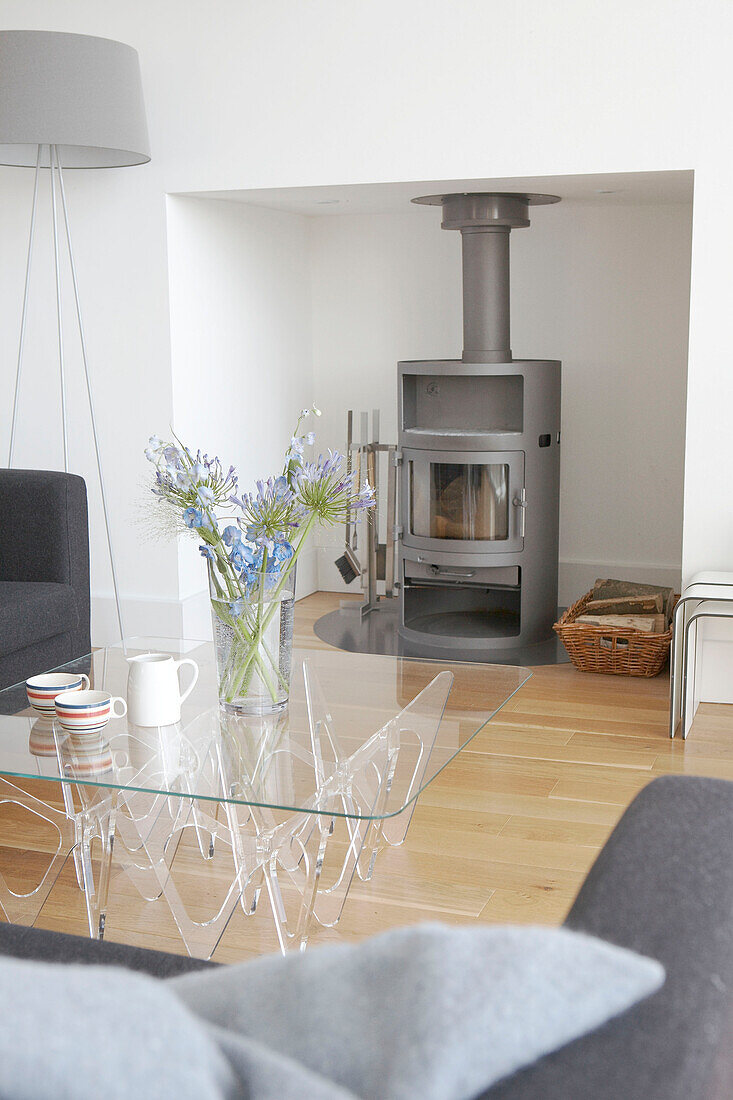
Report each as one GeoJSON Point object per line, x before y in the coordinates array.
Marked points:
{"type": "Point", "coordinates": [231, 536]}
{"type": "Point", "coordinates": [283, 552]}
{"type": "Point", "coordinates": [193, 517]}
{"type": "Point", "coordinates": [262, 541]}
{"type": "Point", "coordinates": [251, 540]}
{"type": "Point", "coordinates": [270, 513]}
{"type": "Point", "coordinates": [327, 491]}
{"type": "Point", "coordinates": [241, 556]}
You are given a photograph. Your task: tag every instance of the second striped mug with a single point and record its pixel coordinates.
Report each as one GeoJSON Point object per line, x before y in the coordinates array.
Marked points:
{"type": "Point", "coordinates": [88, 711]}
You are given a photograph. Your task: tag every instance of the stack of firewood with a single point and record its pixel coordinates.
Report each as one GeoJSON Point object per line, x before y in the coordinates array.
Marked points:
{"type": "Point", "coordinates": [643, 607]}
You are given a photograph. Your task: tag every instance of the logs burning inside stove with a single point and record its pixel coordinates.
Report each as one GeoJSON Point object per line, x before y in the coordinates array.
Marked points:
{"type": "Point", "coordinates": [480, 444]}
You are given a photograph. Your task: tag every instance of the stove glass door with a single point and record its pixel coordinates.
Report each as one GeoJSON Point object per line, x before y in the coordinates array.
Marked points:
{"type": "Point", "coordinates": [451, 500]}
{"type": "Point", "coordinates": [456, 498]}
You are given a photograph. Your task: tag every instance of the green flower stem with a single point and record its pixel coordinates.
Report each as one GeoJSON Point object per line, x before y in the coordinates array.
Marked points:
{"type": "Point", "coordinates": [301, 541]}
{"type": "Point", "coordinates": [212, 538]}
{"type": "Point", "coordinates": [316, 493]}
{"type": "Point", "coordinates": [255, 663]}
{"type": "Point", "coordinates": [261, 594]}
{"type": "Point", "coordinates": [275, 664]}
{"type": "Point", "coordinates": [264, 623]}
{"type": "Point", "coordinates": [244, 677]}
{"type": "Point", "coordinates": [265, 676]}
{"type": "Point", "coordinates": [233, 655]}
{"type": "Point", "coordinates": [232, 688]}
{"type": "Point", "coordinates": [245, 645]}
{"type": "Point", "coordinates": [222, 611]}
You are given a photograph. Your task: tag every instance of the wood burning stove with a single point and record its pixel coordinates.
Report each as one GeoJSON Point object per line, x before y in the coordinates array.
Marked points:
{"type": "Point", "coordinates": [479, 449]}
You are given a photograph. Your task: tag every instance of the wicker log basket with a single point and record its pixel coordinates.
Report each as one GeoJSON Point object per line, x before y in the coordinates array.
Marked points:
{"type": "Point", "coordinates": [616, 651]}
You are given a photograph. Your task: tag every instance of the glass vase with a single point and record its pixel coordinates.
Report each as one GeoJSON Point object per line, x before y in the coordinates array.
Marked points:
{"type": "Point", "coordinates": [253, 638]}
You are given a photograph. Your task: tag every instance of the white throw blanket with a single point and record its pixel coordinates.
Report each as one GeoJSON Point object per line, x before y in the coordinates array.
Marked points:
{"type": "Point", "coordinates": [431, 1012]}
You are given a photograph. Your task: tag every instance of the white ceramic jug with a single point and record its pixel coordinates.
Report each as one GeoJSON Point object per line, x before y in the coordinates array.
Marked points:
{"type": "Point", "coordinates": [154, 694]}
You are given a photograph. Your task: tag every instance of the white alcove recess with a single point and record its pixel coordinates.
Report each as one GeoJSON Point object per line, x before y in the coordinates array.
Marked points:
{"type": "Point", "coordinates": [280, 297]}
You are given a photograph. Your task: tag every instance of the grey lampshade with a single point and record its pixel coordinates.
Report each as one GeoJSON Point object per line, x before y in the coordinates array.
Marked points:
{"type": "Point", "coordinates": [80, 93]}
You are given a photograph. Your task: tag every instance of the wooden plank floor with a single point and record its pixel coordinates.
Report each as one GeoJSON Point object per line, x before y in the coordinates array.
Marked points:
{"type": "Point", "coordinates": [506, 833]}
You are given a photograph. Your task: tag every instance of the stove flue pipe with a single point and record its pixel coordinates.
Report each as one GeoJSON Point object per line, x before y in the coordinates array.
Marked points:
{"type": "Point", "coordinates": [485, 221]}
{"type": "Point", "coordinates": [486, 294]}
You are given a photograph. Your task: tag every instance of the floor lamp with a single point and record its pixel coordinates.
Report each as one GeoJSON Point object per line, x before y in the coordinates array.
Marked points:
{"type": "Point", "coordinates": [68, 101]}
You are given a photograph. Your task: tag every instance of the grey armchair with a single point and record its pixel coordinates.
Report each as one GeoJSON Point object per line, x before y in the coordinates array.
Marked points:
{"type": "Point", "coordinates": [663, 886]}
{"type": "Point", "coordinates": [44, 572]}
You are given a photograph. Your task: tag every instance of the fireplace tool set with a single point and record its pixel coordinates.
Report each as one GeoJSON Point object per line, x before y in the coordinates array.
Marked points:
{"type": "Point", "coordinates": [363, 543]}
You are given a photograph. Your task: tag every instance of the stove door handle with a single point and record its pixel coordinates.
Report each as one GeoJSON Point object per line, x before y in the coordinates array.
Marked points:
{"type": "Point", "coordinates": [521, 502]}
{"type": "Point", "coordinates": [438, 571]}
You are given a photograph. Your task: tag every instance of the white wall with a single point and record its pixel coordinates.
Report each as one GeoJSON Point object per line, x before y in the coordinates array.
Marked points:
{"type": "Point", "coordinates": [605, 288]}
{"type": "Point", "coordinates": [246, 94]}
{"type": "Point", "coordinates": [241, 343]}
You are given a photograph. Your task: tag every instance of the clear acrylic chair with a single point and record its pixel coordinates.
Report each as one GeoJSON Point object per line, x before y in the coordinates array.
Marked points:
{"type": "Point", "coordinates": [695, 603]}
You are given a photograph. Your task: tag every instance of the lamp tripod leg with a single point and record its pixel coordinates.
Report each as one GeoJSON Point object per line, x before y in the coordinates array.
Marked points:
{"type": "Point", "coordinates": [24, 314]}
{"type": "Point", "coordinates": [57, 269]}
{"type": "Point", "coordinates": [90, 396]}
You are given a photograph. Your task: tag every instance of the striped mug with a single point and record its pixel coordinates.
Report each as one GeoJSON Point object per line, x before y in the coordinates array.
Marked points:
{"type": "Point", "coordinates": [42, 690]}
{"type": "Point", "coordinates": [87, 711]}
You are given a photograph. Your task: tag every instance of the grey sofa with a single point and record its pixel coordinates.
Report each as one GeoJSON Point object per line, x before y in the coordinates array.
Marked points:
{"type": "Point", "coordinates": [44, 572]}
{"type": "Point", "coordinates": [663, 885]}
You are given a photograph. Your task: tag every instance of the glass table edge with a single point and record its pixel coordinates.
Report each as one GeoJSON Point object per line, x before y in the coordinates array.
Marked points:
{"type": "Point", "coordinates": [88, 781]}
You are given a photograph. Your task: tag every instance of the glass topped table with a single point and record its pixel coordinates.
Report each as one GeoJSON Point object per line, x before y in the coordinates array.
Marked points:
{"type": "Point", "coordinates": [300, 801]}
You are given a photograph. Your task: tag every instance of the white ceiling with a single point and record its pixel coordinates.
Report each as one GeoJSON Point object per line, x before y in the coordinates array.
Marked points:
{"type": "Point", "coordinates": [620, 188]}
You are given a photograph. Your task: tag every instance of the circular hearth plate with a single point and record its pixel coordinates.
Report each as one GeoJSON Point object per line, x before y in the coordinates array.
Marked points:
{"type": "Point", "coordinates": [378, 633]}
